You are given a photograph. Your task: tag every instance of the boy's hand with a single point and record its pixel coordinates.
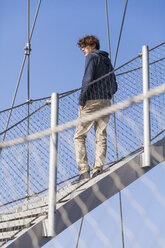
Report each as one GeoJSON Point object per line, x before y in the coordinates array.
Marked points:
{"type": "Point", "coordinates": [81, 107]}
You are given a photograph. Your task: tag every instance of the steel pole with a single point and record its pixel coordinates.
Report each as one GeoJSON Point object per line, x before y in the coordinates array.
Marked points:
{"type": "Point", "coordinates": [53, 166]}
{"type": "Point", "coordinates": [146, 107]}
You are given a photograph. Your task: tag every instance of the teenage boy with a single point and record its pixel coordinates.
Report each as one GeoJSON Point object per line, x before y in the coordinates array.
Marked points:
{"type": "Point", "coordinates": [93, 97]}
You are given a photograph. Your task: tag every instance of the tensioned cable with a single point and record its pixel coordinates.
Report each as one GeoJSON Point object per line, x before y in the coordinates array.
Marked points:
{"type": "Point", "coordinates": [120, 33]}
{"type": "Point", "coordinates": [140, 67]}
{"type": "Point", "coordinates": [78, 238]}
{"type": "Point", "coordinates": [24, 103]}
{"type": "Point", "coordinates": [35, 19]}
{"type": "Point", "coordinates": [163, 43]}
{"type": "Point", "coordinates": [14, 107]}
{"type": "Point", "coordinates": [14, 97]}
{"type": "Point", "coordinates": [108, 33]}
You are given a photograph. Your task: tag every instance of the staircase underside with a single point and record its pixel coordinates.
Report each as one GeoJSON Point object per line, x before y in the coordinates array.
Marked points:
{"type": "Point", "coordinates": [73, 201]}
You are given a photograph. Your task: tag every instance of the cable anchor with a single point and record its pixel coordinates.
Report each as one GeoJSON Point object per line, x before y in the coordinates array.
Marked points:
{"type": "Point", "coordinates": [27, 49]}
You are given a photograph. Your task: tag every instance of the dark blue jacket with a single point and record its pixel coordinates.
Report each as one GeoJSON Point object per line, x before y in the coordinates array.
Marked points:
{"type": "Point", "coordinates": [97, 64]}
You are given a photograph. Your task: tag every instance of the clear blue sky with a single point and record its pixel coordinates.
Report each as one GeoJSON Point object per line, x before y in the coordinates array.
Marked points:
{"type": "Point", "coordinates": [56, 65]}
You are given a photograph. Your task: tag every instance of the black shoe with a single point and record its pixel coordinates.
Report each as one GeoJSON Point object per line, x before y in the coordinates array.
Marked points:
{"type": "Point", "coordinates": [82, 177]}
{"type": "Point", "coordinates": [96, 173]}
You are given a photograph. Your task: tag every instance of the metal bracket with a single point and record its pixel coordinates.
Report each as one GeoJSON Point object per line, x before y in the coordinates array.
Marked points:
{"type": "Point", "coordinates": [27, 49]}
{"type": "Point", "coordinates": [142, 160]}
{"type": "Point", "coordinates": [45, 228]}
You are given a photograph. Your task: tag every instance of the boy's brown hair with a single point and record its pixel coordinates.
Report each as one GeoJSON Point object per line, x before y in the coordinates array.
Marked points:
{"type": "Point", "coordinates": [89, 40]}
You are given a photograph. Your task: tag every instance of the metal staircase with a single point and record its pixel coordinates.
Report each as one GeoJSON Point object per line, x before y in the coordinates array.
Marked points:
{"type": "Point", "coordinates": [26, 224]}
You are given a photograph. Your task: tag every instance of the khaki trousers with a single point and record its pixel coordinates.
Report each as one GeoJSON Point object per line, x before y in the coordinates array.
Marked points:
{"type": "Point", "coordinates": [82, 129]}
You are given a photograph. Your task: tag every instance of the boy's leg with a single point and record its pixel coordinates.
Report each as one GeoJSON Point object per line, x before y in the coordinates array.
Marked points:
{"type": "Point", "coordinates": [79, 141]}
{"type": "Point", "coordinates": [101, 141]}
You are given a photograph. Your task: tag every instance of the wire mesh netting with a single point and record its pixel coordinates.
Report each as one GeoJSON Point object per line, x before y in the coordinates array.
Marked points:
{"type": "Point", "coordinates": [24, 170]}
{"type": "Point", "coordinates": [14, 159]}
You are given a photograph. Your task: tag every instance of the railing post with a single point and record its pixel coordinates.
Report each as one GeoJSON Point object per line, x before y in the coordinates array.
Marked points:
{"type": "Point", "coordinates": [146, 107]}
{"type": "Point", "coordinates": [53, 166]}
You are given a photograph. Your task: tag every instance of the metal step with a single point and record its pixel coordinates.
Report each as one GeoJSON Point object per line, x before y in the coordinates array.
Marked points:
{"type": "Point", "coordinates": [7, 235]}
{"type": "Point", "coordinates": [22, 214]}
{"type": "Point", "coordinates": [16, 224]}
{"type": "Point", "coordinates": [40, 202]}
